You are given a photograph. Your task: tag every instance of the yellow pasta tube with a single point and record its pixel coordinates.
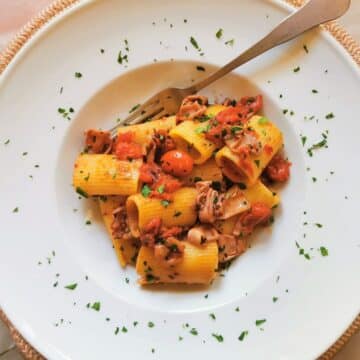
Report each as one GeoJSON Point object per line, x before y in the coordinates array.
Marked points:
{"type": "Point", "coordinates": [125, 249]}
{"type": "Point", "coordinates": [208, 171]}
{"type": "Point", "coordinates": [198, 266]}
{"type": "Point", "coordinates": [189, 136]}
{"type": "Point", "coordinates": [143, 132]}
{"type": "Point", "coordinates": [256, 193]}
{"type": "Point", "coordinates": [179, 212]}
{"type": "Point", "coordinates": [260, 193]}
{"type": "Point", "coordinates": [249, 170]}
{"type": "Point", "coordinates": [105, 175]}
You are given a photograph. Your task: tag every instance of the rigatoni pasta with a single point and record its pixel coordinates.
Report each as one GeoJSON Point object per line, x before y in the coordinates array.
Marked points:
{"type": "Point", "coordinates": [199, 266]}
{"type": "Point", "coordinates": [144, 132]}
{"type": "Point", "coordinates": [126, 248]}
{"type": "Point", "coordinates": [181, 211]}
{"type": "Point", "coordinates": [248, 169]}
{"type": "Point", "coordinates": [102, 174]}
{"type": "Point", "coordinates": [181, 196]}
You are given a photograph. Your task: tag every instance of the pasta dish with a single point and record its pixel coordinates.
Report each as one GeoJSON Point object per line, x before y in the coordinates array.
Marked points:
{"type": "Point", "coordinates": [182, 195]}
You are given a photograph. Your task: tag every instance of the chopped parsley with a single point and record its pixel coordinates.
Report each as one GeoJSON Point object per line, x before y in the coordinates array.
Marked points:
{"type": "Point", "coordinates": [16, 210]}
{"type": "Point", "coordinates": [260, 322]}
{"type": "Point", "coordinates": [135, 107]}
{"type": "Point", "coordinates": [66, 113]}
{"type": "Point", "coordinates": [297, 69]}
{"type": "Point", "coordinates": [202, 129]}
{"type": "Point", "coordinates": [314, 179]}
{"type": "Point", "coordinates": [135, 323]}
{"type": "Point", "coordinates": [330, 116]}
{"type": "Point", "coordinates": [243, 335]}
{"type": "Point", "coordinates": [145, 191]}
{"type": "Point", "coordinates": [219, 33]}
{"type": "Point", "coordinates": [180, 338]}
{"type": "Point", "coordinates": [235, 129]}
{"type": "Point", "coordinates": [230, 42]}
{"type": "Point", "coordinates": [218, 337]}
{"type": "Point", "coordinates": [116, 330]}
{"type": "Point", "coordinates": [285, 111]}
{"type": "Point", "coordinates": [237, 309]}
{"type": "Point", "coordinates": [314, 91]}
{"type": "Point", "coordinates": [324, 251]}
{"type": "Point", "coordinates": [177, 213]}
{"type": "Point", "coordinates": [212, 315]}
{"type": "Point", "coordinates": [122, 58]}
{"type": "Point", "coordinates": [7, 142]}
{"type": "Point", "coordinates": [194, 43]}
{"type": "Point", "coordinates": [151, 324]}
{"type": "Point", "coordinates": [257, 163]}
{"type": "Point", "coordinates": [306, 49]}
{"type": "Point", "coordinates": [102, 51]}
{"type": "Point", "coordinates": [78, 75]}
{"type": "Point", "coordinates": [318, 145]}
{"type": "Point", "coordinates": [24, 153]}
{"type": "Point", "coordinates": [275, 299]}
{"type": "Point", "coordinates": [263, 120]}
{"type": "Point", "coordinates": [96, 306]}
{"type": "Point", "coordinates": [303, 140]}
{"type": "Point", "coordinates": [318, 225]}
{"type": "Point", "coordinates": [200, 68]}
{"type": "Point", "coordinates": [161, 189]}
{"type": "Point", "coordinates": [71, 286]}
{"type": "Point", "coordinates": [124, 329]}
{"type": "Point", "coordinates": [165, 203]}
{"type": "Point", "coordinates": [88, 222]}
{"type": "Point", "coordinates": [193, 331]}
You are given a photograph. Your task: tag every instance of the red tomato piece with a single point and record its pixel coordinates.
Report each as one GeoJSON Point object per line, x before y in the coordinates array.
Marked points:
{"type": "Point", "coordinates": [126, 149]}
{"type": "Point", "coordinates": [176, 162]}
{"type": "Point", "coordinates": [232, 115]}
{"type": "Point", "coordinates": [278, 169]}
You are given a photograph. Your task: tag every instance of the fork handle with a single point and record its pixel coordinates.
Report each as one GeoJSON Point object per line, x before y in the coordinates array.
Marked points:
{"type": "Point", "coordinates": [313, 13]}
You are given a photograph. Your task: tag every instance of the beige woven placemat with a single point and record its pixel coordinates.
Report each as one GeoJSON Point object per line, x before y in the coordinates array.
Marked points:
{"type": "Point", "coordinates": [57, 7]}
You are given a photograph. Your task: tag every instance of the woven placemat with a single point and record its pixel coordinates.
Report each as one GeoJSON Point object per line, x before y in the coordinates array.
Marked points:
{"type": "Point", "coordinates": [339, 33]}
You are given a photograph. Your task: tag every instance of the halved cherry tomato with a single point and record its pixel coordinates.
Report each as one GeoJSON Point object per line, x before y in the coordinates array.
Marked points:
{"type": "Point", "coordinates": [176, 162]}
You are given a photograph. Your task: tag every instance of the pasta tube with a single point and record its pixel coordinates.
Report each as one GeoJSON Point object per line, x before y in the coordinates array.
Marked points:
{"type": "Point", "coordinates": [256, 193]}
{"type": "Point", "coordinates": [125, 249]}
{"type": "Point", "coordinates": [249, 170]}
{"type": "Point", "coordinates": [260, 193]}
{"type": "Point", "coordinates": [189, 137]}
{"type": "Point", "coordinates": [143, 132]}
{"type": "Point", "coordinates": [105, 175]}
{"type": "Point", "coordinates": [198, 266]}
{"type": "Point", "coordinates": [179, 212]}
{"type": "Point", "coordinates": [208, 171]}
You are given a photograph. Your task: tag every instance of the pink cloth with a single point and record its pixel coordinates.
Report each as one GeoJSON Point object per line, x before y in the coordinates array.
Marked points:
{"type": "Point", "coordinates": [14, 14]}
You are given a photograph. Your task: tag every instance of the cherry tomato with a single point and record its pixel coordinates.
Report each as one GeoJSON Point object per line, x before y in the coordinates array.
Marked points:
{"type": "Point", "coordinates": [278, 169]}
{"type": "Point", "coordinates": [176, 162]}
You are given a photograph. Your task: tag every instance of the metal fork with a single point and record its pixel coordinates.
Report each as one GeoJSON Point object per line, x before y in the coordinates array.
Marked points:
{"type": "Point", "coordinates": [313, 13]}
